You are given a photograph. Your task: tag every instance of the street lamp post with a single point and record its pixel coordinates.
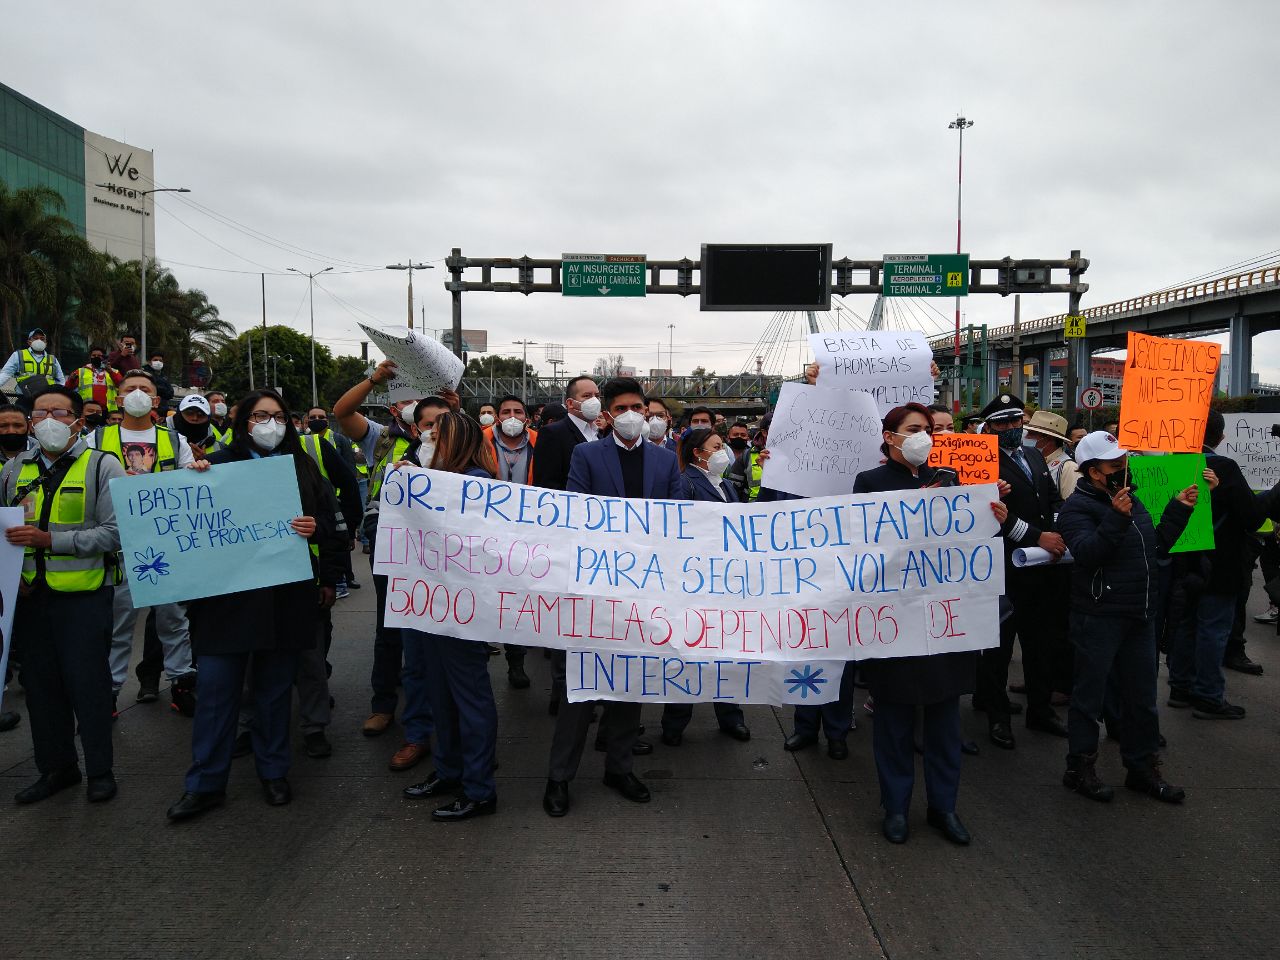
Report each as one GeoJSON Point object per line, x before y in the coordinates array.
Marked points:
{"type": "Point", "coordinates": [142, 259]}
{"type": "Point", "coordinates": [410, 266]}
{"type": "Point", "coordinates": [311, 292]}
{"type": "Point", "coordinates": [962, 124]}
{"type": "Point", "coordinates": [524, 372]}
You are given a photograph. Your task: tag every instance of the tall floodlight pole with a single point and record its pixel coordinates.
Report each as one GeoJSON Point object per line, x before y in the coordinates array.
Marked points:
{"type": "Point", "coordinates": [961, 124]}
{"type": "Point", "coordinates": [410, 266]}
{"type": "Point", "coordinates": [311, 293]}
{"type": "Point", "coordinates": [671, 347]}
{"type": "Point", "coordinates": [524, 371]}
{"type": "Point", "coordinates": [142, 259]}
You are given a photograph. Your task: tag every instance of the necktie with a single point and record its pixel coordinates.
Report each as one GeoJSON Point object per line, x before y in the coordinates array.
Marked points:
{"type": "Point", "coordinates": [1021, 461]}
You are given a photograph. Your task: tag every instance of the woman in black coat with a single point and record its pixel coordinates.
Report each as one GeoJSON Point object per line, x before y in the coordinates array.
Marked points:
{"type": "Point", "coordinates": [901, 684]}
{"type": "Point", "coordinates": [260, 630]}
{"type": "Point", "coordinates": [703, 460]}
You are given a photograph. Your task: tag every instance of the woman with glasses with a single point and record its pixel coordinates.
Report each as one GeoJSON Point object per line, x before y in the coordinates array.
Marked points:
{"type": "Point", "coordinates": [457, 671]}
{"type": "Point", "coordinates": [261, 630]}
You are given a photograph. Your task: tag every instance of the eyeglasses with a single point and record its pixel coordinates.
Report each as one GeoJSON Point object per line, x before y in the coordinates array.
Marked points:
{"type": "Point", "coordinates": [56, 414]}
{"type": "Point", "coordinates": [261, 416]}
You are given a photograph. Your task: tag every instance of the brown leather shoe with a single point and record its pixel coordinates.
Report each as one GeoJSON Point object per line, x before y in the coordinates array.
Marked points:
{"type": "Point", "coordinates": [377, 724]}
{"type": "Point", "coordinates": [408, 755]}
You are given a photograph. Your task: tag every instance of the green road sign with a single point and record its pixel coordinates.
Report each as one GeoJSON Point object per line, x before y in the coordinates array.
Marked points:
{"type": "Point", "coordinates": [926, 275]}
{"type": "Point", "coordinates": [602, 275]}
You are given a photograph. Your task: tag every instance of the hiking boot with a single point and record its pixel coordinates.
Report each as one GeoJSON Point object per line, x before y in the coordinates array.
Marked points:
{"type": "Point", "coordinates": [1148, 779]}
{"type": "Point", "coordinates": [1083, 778]}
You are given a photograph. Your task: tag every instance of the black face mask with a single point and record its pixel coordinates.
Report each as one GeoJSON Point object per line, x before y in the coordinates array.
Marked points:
{"type": "Point", "coordinates": [1115, 482]}
{"type": "Point", "coordinates": [738, 444]}
{"type": "Point", "coordinates": [194, 432]}
{"type": "Point", "coordinates": [94, 420]}
{"type": "Point", "coordinates": [13, 442]}
{"type": "Point", "coordinates": [97, 362]}
{"type": "Point", "coordinates": [318, 425]}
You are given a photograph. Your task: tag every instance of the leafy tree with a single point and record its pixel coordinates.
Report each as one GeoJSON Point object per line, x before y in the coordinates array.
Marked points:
{"type": "Point", "coordinates": [291, 366]}
{"type": "Point", "coordinates": [347, 371]}
{"type": "Point", "coordinates": [500, 368]}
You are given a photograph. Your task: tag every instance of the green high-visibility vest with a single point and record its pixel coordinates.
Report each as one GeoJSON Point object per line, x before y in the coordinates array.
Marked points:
{"type": "Point", "coordinates": [65, 573]}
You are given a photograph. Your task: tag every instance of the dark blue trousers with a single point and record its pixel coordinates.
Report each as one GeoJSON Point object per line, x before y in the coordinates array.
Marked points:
{"type": "Point", "coordinates": [895, 753]}
{"type": "Point", "coordinates": [676, 716]}
{"type": "Point", "coordinates": [213, 733]}
{"type": "Point", "coordinates": [417, 716]}
{"type": "Point", "coordinates": [387, 654]}
{"type": "Point", "coordinates": [466, 717]}
{"type": "Point", "coordinates": [836, 717]}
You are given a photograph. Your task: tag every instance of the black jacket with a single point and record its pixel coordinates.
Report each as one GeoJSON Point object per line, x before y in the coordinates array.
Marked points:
{"type": "Point", "coordinates": [1113, 573]}
{"type": "Point", "coordinates": [283, 617]}
{"type": "Point", "coordinates": [1237, 513]}
{"type": "Point", "coordinates": [553, 453]}
{"type": "Point", "coordinates": [1032, 502]}
{"type": "Point", "coordinates": [927, 679]}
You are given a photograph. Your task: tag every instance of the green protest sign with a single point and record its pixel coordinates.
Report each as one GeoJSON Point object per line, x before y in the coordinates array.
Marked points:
{"type": "Point", "coordinates": [1157, 480]}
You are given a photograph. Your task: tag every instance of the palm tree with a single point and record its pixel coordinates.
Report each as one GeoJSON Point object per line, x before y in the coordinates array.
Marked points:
{"type": "Point", "coordinates": [46, 268]}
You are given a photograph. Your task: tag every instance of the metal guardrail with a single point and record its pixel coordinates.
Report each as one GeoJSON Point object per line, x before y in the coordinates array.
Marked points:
{"type": "Point", "coordinates": [709, 389]}
{"type": "Point", "coordinates": [1252, 279]}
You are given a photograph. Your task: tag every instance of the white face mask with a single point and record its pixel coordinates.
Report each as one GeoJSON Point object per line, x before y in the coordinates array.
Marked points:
{"type": "Point", "coordinates": [486, 419]}
{"type": "Point", "coordinates": [657, 428]}
{"type": "Point", "coordinates": [719, 462]}
{"type": "Point", "coordinates": [426, 452]}
{"type": "Point", "coordinates": [267, 435]}
{"type": "Point", "coordinates": [137, 404]}
{"type": "Point", "coordinates": [589, 409]}
{"type": "Point", "coordinates": [219, 409]}
{"type": "Point", "coordinates": [406, 414]}
{"type": "Point", "coordinates": [512, 426]}
{"type": "Point", "coordinates": [53, 435]}
{"type": "Point", "coordinates": [157, 364]}
{"type": "Point", "coordinates": [916, 448]}
{"type": "Point", "coordinates": [628, 425]}
{"type": "Point", "coordinates": [37, 346]}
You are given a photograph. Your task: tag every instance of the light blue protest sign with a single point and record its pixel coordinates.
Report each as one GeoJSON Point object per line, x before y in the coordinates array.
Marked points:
{"type": "Point", "coordinates": [186, 535]}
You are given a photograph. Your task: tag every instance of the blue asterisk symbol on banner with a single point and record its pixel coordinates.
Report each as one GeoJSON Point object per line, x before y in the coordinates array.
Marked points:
{"type": "Point", "coordinates": [151, 565]}
{"type": "Point", "coordinates": [802, 683]}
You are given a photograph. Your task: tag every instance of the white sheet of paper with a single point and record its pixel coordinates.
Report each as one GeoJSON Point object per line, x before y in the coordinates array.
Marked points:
{"type": "Point", "coordinates": [10, 571]}
{"type": "Point", "coordinates": [822, 437]}
{"type": "Point", "coordinates": [891, 365]}
{"type": "Point", "coordinates": [1248, 441]}
{"type": "Point", "coordinates": [1036, 557]}
{"type": "Point", "coordinates": [424, 365]}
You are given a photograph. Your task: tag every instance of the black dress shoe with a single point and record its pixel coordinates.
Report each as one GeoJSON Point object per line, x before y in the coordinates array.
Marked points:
{"type": "Point", "coordinates": [555, 799]}
{"type": "Point", "coordinates": [193, 804]}
{"type": "Point", "coordinates": [969, 747]}
{"type": "Point", "coordinates": [101, 788]}
{"type": "Point", "coordinates": [464, 808]}
{"type": "Point", "coordinates": [277, 791]}
{"type": "Point", "coordinates": [1241, 663]}
{"type": "Point", "coordinates": [317, 745]}
{"type": "Point", "coordinates": [433, 786]}
{"type": "Point", "coordinates": [949, 825]}
{"type": "Point", "coordinates": [738, 731]}
{"type": "Point", "coordinates": [48, 785]}
{"type": "Point", "coordinates": [243, 745]}
{"type": "Point", "coordinates": [516, 676]}
{"type": "Point", "coordinates": [895, 827]}
{"type": "Point", "coordinates": [800, 741]}
{"type": "Point", "coordinates": [837, 750]}
{"type": "Point", "coordinates": [672, 739]}
{"type": "Point", "coordinates": [1001, 735]}
{"type": "Point", "coordinates": [629, 785]}
{"type": "Point", "coordinates": [9, 720]}
{"type": "Point", "coordinates": [641, 748]}
{"type": "Point", "coordinates": [1050, 723]}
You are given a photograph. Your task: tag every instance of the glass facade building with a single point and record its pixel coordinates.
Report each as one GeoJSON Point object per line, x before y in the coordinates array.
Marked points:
{"type": "Point", "coordinates": [39, 147]}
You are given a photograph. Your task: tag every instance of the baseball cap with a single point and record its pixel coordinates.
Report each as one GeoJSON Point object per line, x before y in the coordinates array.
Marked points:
{"type": "Point", "coordinates": [1099, 445]}
{"type": "Point", "coordinates": [195, 402]}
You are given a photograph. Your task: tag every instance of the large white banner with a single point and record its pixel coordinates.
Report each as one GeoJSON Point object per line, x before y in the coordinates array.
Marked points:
{"type": "Point", "coordinates": [894, 366]}
{"type": "Point", "coordinates": [1250, 440]}
{"type": "Point", "coordinates": [821, 438]}
{"type": "Point", "coordinates": [797, 583]}
{"type": "Point", "coordinates": [10, 572]}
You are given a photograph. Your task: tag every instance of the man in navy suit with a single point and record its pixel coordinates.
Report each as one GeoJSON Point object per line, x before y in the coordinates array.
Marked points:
{"type": "Point", "coordinates": [623, 464]}
{"type": "Point", "coordinates": [660, 424]}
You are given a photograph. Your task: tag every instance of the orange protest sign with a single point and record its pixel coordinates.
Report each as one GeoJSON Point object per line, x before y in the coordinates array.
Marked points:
{"type": "Point", "coordinates": [1164, 400]}
{"type": "Point", "coordinates": [975, 457]}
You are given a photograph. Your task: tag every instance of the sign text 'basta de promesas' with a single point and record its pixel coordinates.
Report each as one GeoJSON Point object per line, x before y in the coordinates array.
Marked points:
{"type": "Point", "coordinates": [835, 578]}
{"type": "Point", "coordinates": [602, 275]}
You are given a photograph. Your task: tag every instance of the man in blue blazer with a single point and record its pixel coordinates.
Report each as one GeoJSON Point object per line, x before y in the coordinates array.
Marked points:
{"type": "Point", "coordinates": [623, 464]}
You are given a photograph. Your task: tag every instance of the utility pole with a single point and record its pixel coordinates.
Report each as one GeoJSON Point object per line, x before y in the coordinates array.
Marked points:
{"type": "Point", "coordinates": [524, 371]}
{"type": "Point", "coordinates": [311, 290]}
{"type": "Point", "coordinates": [249, 343]}
{"type": "Point", "coordinates": [959, 123]}
{"type": "Point", "coordinates": [671, 347]}
{"type": "Point", "coordinates": [411, 266]}
{"type": "Point", "coordinates": [265, 382]}
{"type": "Point", "coordinates": [1015, 375]}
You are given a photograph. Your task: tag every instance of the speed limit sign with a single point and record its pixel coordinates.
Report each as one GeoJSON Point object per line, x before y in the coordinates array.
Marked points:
{"type": "Point", "coordinates": [1091, 398]}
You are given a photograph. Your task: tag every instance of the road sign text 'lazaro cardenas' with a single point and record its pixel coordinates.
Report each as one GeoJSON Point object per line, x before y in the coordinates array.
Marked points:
{"type": "Point", "coordinates": [602, 274]}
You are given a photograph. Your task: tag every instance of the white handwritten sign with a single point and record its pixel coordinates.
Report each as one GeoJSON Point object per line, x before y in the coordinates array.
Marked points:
{"type": "Point", "coordinates": [11, 558]}
{"type": "Point", "coordinates": [891, 365]}
{"type": "Point", "coordinates": [672, 677]}
{"type": "Point", "coordinates": [424, 366]}
{"type": "Point", "coordinates": [792, 583]}
{"type": "Point", "coordinates": [822, 437]}
{"type": "Point", "coordinates": [1248, 440]}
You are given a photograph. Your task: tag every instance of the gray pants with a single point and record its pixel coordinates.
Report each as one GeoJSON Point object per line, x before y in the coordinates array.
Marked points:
{"type": "Point", "coordinates": [621, 722]}
{"type": "Point", "coordinates": [171, 627]}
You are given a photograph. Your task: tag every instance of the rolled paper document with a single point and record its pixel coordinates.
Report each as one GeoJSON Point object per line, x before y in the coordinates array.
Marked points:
{"type": "Point", "coordinates": [1036, 557]}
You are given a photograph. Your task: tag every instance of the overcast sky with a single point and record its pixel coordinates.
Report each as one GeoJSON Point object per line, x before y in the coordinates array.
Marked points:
{"type": "Point", "coordinates": [1142, 133]}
